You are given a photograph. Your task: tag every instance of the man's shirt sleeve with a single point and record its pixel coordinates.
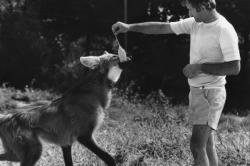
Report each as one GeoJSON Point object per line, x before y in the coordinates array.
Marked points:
{"type": "Point", "coordinates": [182, 26]}
{"type": "Point", "coordinates": [229, 44]}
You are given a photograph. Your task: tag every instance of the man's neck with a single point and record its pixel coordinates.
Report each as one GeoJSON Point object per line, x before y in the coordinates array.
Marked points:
{"type": "Point", "coordinates": [211, 16]}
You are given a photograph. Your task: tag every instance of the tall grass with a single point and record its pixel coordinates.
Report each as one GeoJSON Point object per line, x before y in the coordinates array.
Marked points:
{"type": "Point", "coordinates": [143, 132]}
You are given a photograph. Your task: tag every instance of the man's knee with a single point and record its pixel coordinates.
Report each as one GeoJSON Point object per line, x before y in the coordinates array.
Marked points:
{"type": "Point", "coordinates": [210, 144]}
{"type": "Point", "coordinates": [197, 146]}
{"type": "Point", "coordinates": [199, 139]}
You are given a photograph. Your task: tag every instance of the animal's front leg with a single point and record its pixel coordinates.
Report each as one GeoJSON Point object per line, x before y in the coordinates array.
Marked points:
{"type": "Point", "coordinates": [89, 142]}
{"type": "Point", "coordinates": [67, 155]}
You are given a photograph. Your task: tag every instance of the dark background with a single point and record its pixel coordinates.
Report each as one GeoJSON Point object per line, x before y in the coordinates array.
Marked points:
{"type": "Point", "coordinates": [41, 42]}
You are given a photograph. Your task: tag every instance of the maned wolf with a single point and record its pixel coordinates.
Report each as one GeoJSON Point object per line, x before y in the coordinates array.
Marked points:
{"type": "Point", "coordinates": [74, 116]}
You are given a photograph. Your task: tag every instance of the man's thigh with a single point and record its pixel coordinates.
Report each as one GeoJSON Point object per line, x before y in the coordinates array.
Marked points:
{"type": "Point", "coordinates": [200, 135]}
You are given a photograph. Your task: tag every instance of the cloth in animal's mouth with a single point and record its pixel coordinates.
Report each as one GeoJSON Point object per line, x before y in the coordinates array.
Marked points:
{"type": "Point", "coordinates": [122, 54]}
{"type": "Point", "coordinates": [114, 73]}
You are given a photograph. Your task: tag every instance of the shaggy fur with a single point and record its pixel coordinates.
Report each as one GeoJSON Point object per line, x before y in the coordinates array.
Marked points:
{"type": "Point", "coordinates": [74, 116]}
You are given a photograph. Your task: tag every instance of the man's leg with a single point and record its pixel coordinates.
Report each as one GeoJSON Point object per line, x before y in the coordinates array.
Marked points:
{"type": "Point", "coordinates": [211, 151]}
{"type": "Point", "coordinates": [199, 139]}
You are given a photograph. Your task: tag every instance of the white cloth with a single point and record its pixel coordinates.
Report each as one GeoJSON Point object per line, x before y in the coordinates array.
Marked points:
{"type": "Point", "coordinates": [122, 54]}
{"type": "Point", "coordinates": [214, 42]}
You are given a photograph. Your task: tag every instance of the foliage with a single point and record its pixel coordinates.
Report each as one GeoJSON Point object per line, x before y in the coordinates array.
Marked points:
{"type": "Point", "coordinates": [143, 132]}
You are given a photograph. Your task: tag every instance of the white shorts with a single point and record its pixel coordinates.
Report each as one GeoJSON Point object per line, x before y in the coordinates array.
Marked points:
{"type": "Point", "coordinates": [206, 105]}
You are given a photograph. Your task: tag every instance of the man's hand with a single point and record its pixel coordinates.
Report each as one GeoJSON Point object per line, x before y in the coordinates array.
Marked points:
{"type": "Point", "coordinates": [192, 70]}
{"type": "Point", "coordinates": [120, 27]}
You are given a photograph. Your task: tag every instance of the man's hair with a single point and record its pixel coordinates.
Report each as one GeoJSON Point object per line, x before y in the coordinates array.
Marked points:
{"type": "Point", "coordinates": [208, 4]}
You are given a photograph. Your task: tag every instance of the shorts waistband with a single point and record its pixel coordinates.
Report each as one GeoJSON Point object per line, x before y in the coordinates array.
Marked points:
{"type": "Point", "coordinates": [207, 87]}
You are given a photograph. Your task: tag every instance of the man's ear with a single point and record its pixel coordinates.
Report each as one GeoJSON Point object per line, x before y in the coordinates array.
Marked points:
{"type": "Point", "coordinates": [202, 7]}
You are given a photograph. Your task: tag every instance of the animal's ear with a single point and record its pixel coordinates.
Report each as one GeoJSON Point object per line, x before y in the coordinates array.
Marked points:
{"type": "Point", "coordinates": [106, 52]}
{"type": "Point", "coordinates": [90, 61]}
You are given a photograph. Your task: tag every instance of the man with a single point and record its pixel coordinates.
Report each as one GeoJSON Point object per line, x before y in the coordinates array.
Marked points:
{"type": "Point", "coordinates": [214, 53]}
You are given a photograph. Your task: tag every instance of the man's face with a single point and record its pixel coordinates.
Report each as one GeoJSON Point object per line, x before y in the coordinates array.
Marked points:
{"type": "Point", "coordinates": [199, 16]}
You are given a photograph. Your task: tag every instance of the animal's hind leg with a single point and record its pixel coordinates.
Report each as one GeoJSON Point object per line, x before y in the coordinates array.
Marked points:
{"type": "Point", "coordinates": [9, 163]}
{"type": "Point", "coordinates": [67, 155]}
{"type": "Point", "coordinates": [8, 156]}
{"type": "Point", "coordinates": [89, 142]}
{"type": "Point", "coordinates": [31, 158]}
{"type": "Point", "coordinates": [32, 153]}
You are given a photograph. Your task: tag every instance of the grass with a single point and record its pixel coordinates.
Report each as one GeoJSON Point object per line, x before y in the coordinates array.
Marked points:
{"type": "Point", "coordinates": [139, 133]}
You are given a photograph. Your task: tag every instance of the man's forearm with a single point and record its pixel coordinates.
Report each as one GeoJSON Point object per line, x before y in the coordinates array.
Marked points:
{"type": "Point", "coordinates": [226, 68]}
{"type": "Point", "coordinates": [151, 28]}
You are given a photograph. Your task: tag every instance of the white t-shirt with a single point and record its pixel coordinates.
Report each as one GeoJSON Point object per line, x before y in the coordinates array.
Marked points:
{"type": "Point", "coordinates": [213, 42]}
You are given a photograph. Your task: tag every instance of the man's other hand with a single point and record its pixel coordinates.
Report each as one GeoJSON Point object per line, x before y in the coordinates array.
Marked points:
{"type": "Point", "coordinates": [192, 70]}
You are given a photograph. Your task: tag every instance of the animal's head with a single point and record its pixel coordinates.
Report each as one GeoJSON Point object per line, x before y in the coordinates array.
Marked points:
{"type": "Point", "coordinates": [106, 63]}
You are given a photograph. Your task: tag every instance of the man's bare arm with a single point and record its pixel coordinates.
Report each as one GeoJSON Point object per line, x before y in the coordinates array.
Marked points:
{"type": "Point", "coordinates": [219, 69]}
{"type": "Point", "coordinates": [151, 28]}
{"type": "Point", "coordinates": [145, 27]}
{"type": "Point", "coordinates": [226, 68]}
